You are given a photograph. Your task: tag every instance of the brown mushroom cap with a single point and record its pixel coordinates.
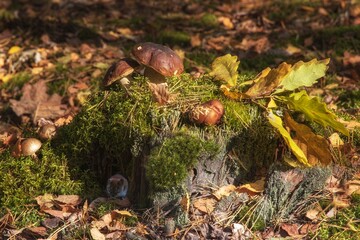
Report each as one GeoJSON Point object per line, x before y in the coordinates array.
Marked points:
{"type": "Point", "coordinates": [158, 57]}
{"type": "Point", "coordinates": [122, 68]}
{"type": "Point", "coordinates": [30, 146]}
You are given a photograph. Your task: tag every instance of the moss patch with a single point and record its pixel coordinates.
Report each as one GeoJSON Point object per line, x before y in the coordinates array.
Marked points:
{"type": "Point", "coordinates": [22, 179]}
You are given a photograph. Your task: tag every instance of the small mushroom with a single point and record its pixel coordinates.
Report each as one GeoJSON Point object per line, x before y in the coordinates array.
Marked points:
{"type": "Point", "coordinates": [120, 71]}
{"type": "Point", "coordinates": [208, 113]}
{"type": "Point", "coordinates": [159, 61]}
{"type": "Point", "coordinates": [117, 186]}
{"type": "Point", "coordinates": [47, 131]}
{"type": "Point", "coordinates": [30, 146]}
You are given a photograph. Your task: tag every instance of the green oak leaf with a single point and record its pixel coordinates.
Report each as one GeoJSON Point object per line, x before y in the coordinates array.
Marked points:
{"type": "Point", "coordinates": [303, 74]}
{"type": "Point", "coordinates": [225, 68]}
{"type": "Point", "coordinates": [314, 110]}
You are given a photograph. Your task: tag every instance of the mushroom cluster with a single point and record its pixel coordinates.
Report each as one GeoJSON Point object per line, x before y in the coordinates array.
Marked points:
{"type": "Point", "coordinates": [155, 61]}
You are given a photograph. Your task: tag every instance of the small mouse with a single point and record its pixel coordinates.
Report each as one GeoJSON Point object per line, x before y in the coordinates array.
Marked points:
{"type": "Point", "coordinates": [117, 186]}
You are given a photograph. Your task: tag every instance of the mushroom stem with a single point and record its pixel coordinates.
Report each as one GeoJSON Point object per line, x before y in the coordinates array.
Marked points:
{"type": "Point", "coordinates": [154, 76]}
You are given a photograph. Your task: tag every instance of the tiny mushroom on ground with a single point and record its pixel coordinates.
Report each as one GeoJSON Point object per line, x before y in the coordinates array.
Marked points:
{"type": "Point", "coordinates": [47, 131]}
{"type": "Point", "coordinates": [159, 61]}
{"type": "Point", "coordinates": [26, 147]}
{"type": "Point", "coordinates": [120, 70]}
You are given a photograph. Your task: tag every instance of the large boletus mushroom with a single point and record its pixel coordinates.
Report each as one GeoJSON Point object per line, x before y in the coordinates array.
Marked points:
{"type": "Point", "coordinates": [159, 61]}
{"type": "Point", "coordinates": [120, 71]}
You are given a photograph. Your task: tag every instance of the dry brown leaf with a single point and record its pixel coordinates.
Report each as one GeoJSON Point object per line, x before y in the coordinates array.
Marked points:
{"type": "Point", "coordinates": [315, 147]}
{"type": "Point", "coordinates": [224, 191]}
{"type": "Point", "coordinates": [64, 120]}
{"type": "Point", "coordinates": [56, 213]}
{"type": "Point", "coordinates": [73, 200]}
{"type": "Point", "coordinates": [259, 45]}
{"type": "Point", "coordinates": [40, 231]}
{"type": "Point", "coordinates": [352, 187]}
{"type": "Point", "coordinates": [218, 43]}
{"type": "Point", "coordinates": [341, 201]}
{"type": "Point", "coordinates": [36, 102]}
{"type": "Point", "coordinates": [252, 189]}
{"type": "Point", "coordinates": [160, 92]}
{"type": "Point", "coordinates": [96, 234]}
{"type": "Point", "coordinates": [195, 40]}
{"type": "Point", "coordinates": [141, 229]}
{"type": "Point", "coordinates": [312, 214]}
{"type": "Point", "coordinates": [205, 205]}
{"type": "Point", "coordinates": [307, 228]}
{"type": "Point", "coordinates": [45, 201]}
{"type": "Point", "coordinates": [291, 229]}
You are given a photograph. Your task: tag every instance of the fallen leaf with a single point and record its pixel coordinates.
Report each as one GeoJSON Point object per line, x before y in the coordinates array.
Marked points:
{"type": "Point", "coordinates": [315, 147]}
{"type": "Point", "coordinates": [226, 22]}
{"type": "Point", "coordinates": [335, 140]}
{"type": "Point", "coordinates": [185, 202]}
{"type": "Point", "coordinates": [14, 49]}
{"type": "Point", "coordinates": [36, 102]}
{"type": "Point", "coordinates": [160, 92]}
{"type": "Point", "coordinates": [39, 231]}
{"type": "Point", "coordinates": [205, 205]}
{"type": "Point", "coordinates": [195, 40]}
{"type": "Point", "coordinates": [96, 234]}
{"type": "Point", "coordinates": [292, 50]}
{"type": "Point", "coordinates": [45, 201]}
{"type": "Point", "coordinates": [252, 189]}
{"type": "Point", "coordinates": [291, 229]}
{"type": "Point", "coordinates": [224, 191]}
{"type": "Point", "coordinates": [352, 187]}
{"type": "Point", "coordinates": [312, 214]}
{"type": "Point", "coordinates": [73, 200]}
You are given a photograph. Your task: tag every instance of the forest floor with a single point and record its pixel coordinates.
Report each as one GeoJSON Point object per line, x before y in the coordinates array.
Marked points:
{"type": "Point", "coordinates": [71, 44]}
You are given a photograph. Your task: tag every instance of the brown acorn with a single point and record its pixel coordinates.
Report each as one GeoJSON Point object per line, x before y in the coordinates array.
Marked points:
{"type": "Point", "coordinates": [208, 113]}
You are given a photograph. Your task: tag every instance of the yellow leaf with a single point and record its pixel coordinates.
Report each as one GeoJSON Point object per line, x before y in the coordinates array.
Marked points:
{"type": "Point", "coordinates": [276, 122]}
{"type": "Point", "coordinates": [123, 213]}
{"type": "Point", "coordinates": [6, 78]}
{"type": "Point", "coordinates": [225, 68]}
{"type": "Point", "coordinates": [335, 140]}
{"type": "Point", "coordinates": [36, 70]}
{"type": "Point", "coordinates": [226, 22]}
{"type": "Point", "coordinates": [272, 104]}
{"type": "Point", "coordinates": [14, 49]}
{"type": "Point", "coordinates": [252, 189]}
{"type": "Point", "coordinates": [314, 146]}
{"type": "Point", "coordinates": [224, 191]}
{"type": "Point", "coordinates": [96, 234]}
{"type": "Point", "coordinates": [268, 80]}
{"type": "Point", "coordinates": [231, 94]}
{"type": "Point", "coordinates": [290, 49]}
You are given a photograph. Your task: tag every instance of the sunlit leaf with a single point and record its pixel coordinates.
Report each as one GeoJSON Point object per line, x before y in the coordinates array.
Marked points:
{"type": "Point", "coordinates": [314, 110]}
{"type": "Point", "coordinates": [268, 80]}
{"type": "Point", "coordinates": [315, 147]}
{"type": "Point", "coordinates": [276, 122]}
{"type": "Point", "coordinates": [225, 69]}
{"type": "Point", "coordinates": [14, 49]}
{"type": "Point", "coordinates": [304, 74]}
{"type": "Point", "coordinates": [232, 94]}
{"type": "Point", "coordinates": [254, 188]}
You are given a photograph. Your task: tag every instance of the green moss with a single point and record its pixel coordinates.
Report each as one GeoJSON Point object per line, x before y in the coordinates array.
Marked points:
{"type": "Point", "coordinates": [199, 58]}
{"type": "Point", "coordinates": [340, 39]}
{"type": "Point", "coordinates": [17, 81]}
{"type": "Point", "coordinates": [25, 178]}
{"type": "Point", "coordinates": [169, 162]}
{"type": "Point", "coordinates": [174, 37]}
{"type": "Point", "coordinates": [344, 225]}
{"type": "Point", "coordinates": [209, 20]}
